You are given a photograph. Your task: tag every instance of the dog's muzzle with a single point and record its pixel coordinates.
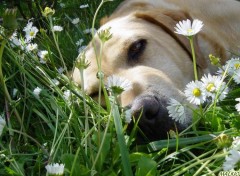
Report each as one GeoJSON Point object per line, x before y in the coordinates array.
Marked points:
{"type": "Point", "coordinates": [151, 115]}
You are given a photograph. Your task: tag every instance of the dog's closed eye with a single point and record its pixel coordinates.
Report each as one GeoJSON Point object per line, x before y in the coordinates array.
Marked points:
{"type": "Point", "coordinates": [135, 50]}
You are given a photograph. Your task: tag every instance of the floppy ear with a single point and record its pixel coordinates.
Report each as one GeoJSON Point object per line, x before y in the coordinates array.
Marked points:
{"type": "Point", "coordinates": [167, 20]}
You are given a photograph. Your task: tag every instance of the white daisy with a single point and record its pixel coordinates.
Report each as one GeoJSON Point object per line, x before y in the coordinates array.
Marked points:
{"type": "Point", "coordinates": [31, 47]}
{"type": "Point", "coordinates": [75, 21]}
{"type": "Point", "coordinates": [237, 106]}
{"type": "Point", "coordinates": [177, 111]}
{"type": "Point", "coordinates": [128, 115]}
{"type": "Point", "coordinates": [67, 95]}
{"type": "Point", "coordinates": [55, 168]}
{"type": "Point", "coordinates": [213, 86]}
{"type": "Point", "coordinates": [195, 93]}
{"type": "Point", "coordinates": [236, 76]}
{"type": "Point", "coordinates": [79, 42]}
{"type": "Point", "coordinates": [231, 160]}
{"type": "Point", "coordinates": [62, 5]}
{"type": "Point", "coordinates": [117, 84]}
{"type": "Point", "coordinates": [236, 143]}
{"type": "Point", "coordinates": [88, 31]}
{"type": "Point", "coordinates": [231, 66]}
{"type": "Point", "coordinates": [60, 70]}
{"type": "Point", "coordinates": [55, 82]}
{"type": "Point", "coordinates": [43, 55]}
{"type": "Point", "coordinates": [30, 31]}
{"type": "Point", "coordinates": [57, 28]}
{"type": "Point", "coordinates": [187, 29]}
{"type": "Point", "coordinates": [84, 6]}
{"type": "Point", "coordinates": [37, 92]}
{"type": "Point", "coordinates": [2, 124]}
{"type": "Point", "coordinates": [82, 48]}
{"type": "Point", "coordinates": [14, 92]}
{"type": "Point", "coordinates": [14, 40]}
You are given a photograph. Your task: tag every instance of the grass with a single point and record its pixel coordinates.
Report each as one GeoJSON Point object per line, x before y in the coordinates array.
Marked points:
{"type": "Point", "coordinates": [63, 125]}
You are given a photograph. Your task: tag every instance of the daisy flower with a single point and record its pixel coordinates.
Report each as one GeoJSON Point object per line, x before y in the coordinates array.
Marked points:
{"type": "Point", "coordinates": [31, 47]}
{"type": "Point", "coordinates": [231, 66]}
{"type": "Point", "coordinates": [117, 84]}
{"type": "Point", "coordinates": [43, 55]}
{"type": "Point", "coordinates": [30, 31]}
{"type": "Point", "coordinates": [2, 124]}
{"type": "Point", "coordinates": [177, 111]}
{"type": "Point", "coordinates": [84, 6]}
{"type": "Point", "coordinates": [213, 86]}
{"type": "Point", "coordinates": [187, 29]}
{"type": "Point", "coordinates": [82, 48]}
{"type": "Point", "coordinates": [236, 143]}
{"type": "Point", "coordinates": [234, 64]}
{"type": "Point", "coordinates": [79, 42]}
{"type": "Point", "coordinates": [67, 95]}
{"type": "Point", "coordinates": [14, 40]}
{"type": "Point", "coordinates": [195, 93]}
{"type": "Point", "coordinates": [88, 31]}
{"type": "Point", "coordinates": [231, 160]}
{"type": "Point", "coordinates": [60, 70]}
{"type": "Point", "coordinates": [236, 76]}
{"type": "Point", "coordinates": [128, 115]}
{"type": "Point", "coordinates": [55, 82]}
{"type": "Point", "coordinates": [55, 168]}
{"type": "Point", "coordinates": [37, 92]}
{"type": "Point", "coordinates": [62, 5]}
{"type": "Point", "coordinates": [237, 106]}
{"type": "Point", "coordinates": [75, 21]}
{"type": "Point", "coordinates": [57, 28]}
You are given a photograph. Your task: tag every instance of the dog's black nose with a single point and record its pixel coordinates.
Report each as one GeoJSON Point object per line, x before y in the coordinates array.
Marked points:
{"type": "Point", "coordinates": [154, 122]}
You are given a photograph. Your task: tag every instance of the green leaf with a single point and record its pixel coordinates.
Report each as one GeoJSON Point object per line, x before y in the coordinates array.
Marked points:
{"type": "Point", "coordinates": [78, 169]}
{"type": "Point", "coordinates": [146, 167]}
{"type": "Point", "coordinates": [105, 148]}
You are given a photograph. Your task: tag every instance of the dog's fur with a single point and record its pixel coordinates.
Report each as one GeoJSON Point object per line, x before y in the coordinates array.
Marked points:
{"type": "Point", "coordinates": [145, 50]}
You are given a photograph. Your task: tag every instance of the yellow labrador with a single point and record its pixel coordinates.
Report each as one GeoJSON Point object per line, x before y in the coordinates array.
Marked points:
{"type": "Point", "coordinates": [145, 50]}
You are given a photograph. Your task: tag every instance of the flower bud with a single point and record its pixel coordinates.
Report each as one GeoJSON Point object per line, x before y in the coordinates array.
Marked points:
{"type": "Point", "coordinates": [214, 60]}
{"type": "Point", "coordinates": [105, 35]}
{"type": "Point", "coordinates": [9, 21]}
{"type": "Point", "coordinates": [81, 62]}
{"type": "Point", "coordinates": [48, 12]}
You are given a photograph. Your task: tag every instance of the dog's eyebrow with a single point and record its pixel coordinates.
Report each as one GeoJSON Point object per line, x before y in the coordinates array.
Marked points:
{"type": "Point", "coordinates": [166, 29]}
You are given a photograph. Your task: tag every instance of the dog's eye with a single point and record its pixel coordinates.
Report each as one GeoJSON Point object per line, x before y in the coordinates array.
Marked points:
{"type": "Point", "coordinates": [136, 49]}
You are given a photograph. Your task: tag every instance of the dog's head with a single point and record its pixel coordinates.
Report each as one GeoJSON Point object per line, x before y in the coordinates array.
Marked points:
{"type": "Point", "coordinates": [145, 50]}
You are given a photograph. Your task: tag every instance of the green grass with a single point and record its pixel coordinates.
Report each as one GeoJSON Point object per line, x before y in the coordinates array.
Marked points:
{"type": "Point", "coordinates": [75, 130]}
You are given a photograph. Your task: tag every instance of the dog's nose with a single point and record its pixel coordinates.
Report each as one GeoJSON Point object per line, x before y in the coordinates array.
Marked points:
{"type": "Point", "coordinates": [154, 122]}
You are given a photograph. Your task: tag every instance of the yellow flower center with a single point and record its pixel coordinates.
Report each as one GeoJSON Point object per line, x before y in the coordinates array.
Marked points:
{"type": "Point", "coordinates": [196, 92]}
{"type": "Point", "coordinates": [31, 33]}
{"type": "Point", "coordinates": [237, 66]}
{"type": "Point", "coordinates": [189, 31]}
{"type": "Point", "coordinates": [210, 87]}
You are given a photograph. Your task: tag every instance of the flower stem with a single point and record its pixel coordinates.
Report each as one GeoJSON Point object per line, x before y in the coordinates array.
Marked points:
{"type": "Point", "coordinates": [194, 58]}
{"type": "Point", "coordinates": [56, 43]}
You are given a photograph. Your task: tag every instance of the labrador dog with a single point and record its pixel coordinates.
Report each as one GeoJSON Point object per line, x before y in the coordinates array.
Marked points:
{"type": "Point", "coordinates": [145, 50]}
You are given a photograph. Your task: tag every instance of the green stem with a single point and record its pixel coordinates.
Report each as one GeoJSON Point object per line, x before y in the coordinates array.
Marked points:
{"type": "Point", "coordinates": [194, 58]}
{"type": "Point", "coordinates": [85, 110]}
{"type": "Point", "coordinates": [121, 141]}
{"type": "Point", "coordinates": [56, 43]}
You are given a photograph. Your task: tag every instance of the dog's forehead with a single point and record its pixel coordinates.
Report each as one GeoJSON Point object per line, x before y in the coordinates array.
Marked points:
{"type": "Point", "coordinates": [125, 25]}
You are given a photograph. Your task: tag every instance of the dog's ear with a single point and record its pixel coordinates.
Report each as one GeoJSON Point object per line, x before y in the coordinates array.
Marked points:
{"type": "Point", "coordinates": [167, 20]}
